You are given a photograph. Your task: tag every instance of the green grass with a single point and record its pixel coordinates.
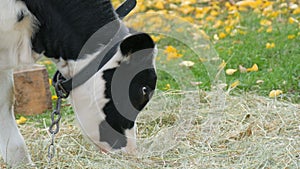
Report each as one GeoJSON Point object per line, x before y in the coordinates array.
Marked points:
{"type": "Point", "coordinates": [279, 67]}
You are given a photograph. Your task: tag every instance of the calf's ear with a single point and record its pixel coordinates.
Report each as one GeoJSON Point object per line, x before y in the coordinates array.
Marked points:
{"type": "Point", "coordinates": [136, 42]}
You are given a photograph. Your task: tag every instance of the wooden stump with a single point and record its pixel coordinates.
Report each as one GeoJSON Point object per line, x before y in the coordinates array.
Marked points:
{"type": "Point", "coordinates": [32, 90]}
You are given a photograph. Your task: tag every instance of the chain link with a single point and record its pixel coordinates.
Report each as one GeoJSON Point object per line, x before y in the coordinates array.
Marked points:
{"type": "Point", "coordinates": [51, 149]}
{"type": "Point", "coordinates": [55, 119]}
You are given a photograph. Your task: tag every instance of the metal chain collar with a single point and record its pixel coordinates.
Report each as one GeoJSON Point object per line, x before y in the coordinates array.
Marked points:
{"type": "Point", "coordinates": [55, 117]}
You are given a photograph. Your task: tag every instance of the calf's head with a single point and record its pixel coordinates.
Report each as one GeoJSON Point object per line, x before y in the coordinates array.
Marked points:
{"type": "Point", "coordinates": [108, 103]}
{"type": "Point", "coordinates": [16, 29]}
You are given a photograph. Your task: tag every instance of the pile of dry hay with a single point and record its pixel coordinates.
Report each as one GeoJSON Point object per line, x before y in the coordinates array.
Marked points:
{"type": "Point", "coordinates": [188, 130]}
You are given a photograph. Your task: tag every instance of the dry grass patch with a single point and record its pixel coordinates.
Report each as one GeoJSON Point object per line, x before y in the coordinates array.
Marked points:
{"type": "Point", "coordinates": [188, 130]}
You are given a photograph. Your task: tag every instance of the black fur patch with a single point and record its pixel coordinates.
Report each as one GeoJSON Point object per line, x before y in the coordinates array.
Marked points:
{"type": "Point", "coordinates": [146, 78]}
{"type": "Point", "coordinates": [113, 117]}
{"type": "Point", "coordinates": [136, 43]}
{"type": "Point", "coordinates": [112, 130]}
{"type": "Point", "coordinates": [65, 25]}
{"type": "Point", "coordinates": [109, 135]}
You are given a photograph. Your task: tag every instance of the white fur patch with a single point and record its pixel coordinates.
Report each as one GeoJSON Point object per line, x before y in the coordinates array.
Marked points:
{"type": "Point", "coordinates": [15, 37]}
{"type": "Point", "coordinates": [131, 141]}
{"type": "Point", "coordinates": [88, 100]}
{"type": "Point", "coordinates": [12, 145]}
{"type": "Point", "coordinates": [15, 49]}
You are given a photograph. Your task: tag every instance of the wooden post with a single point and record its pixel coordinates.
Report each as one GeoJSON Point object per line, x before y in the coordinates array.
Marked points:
{"type": "Point", "coordinates": [32, 90]}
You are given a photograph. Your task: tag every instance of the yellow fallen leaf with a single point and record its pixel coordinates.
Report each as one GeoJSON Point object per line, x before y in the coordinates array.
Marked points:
{"type": "Point", "coordinates": [222, 35]}
{"type": "Point", "coordinates": [186, 9]}
{"type": "Point", "coordinates": [230, 71]}
{"type": "Point", "coordinates": [275, 93]}
{"type": "Point", "coordinates": [228, 29]}
{"type": "Point", "coordinates": [54, 97]}
{"type": "Point", "coordinates": [234, 84]}
{"type": "Point", "coordinates": [249, 3]}
{"type": "Point", "coordinates": [222, 65]}
{"type": "Point", "coordinates": [254, 68]}
{"type": "Point", "coordinates": [214, 13]}
{"type": "Point", "coordinates": [269, 30]}
{"type": "Point", "coordinates": [296, 11]}
{"type": "Point", "coordinates": [155, 38]}
{"type": "Point", "coordinates": [47, 62]}
{"type": "Point", "coordinates": [168, 87]}
{"type": "Point", "coordinates": [244, 9]}
{"type": "Point", "coordinates": [202, 35]}
{"type": "Point", "coordinates": [292, 20]}
{"type": "Point", "coordinates": [159, 5]}
{"type": "Point", "coordinates": [218, 24]}
{"type": "Point", "coordinates": [291, 36]}
{"type": "Point", "coordinates": [260, 29]}
{"type": "Point", "coordinates": [203, 59]}
{"type": "Point", "coordinates": [265, 22]}
{"type": "Point", "coordinates": [21, 120]}
{"type": "Point", "coordinates": [270, 45]}
{"type": "Point", "coordinates": [50, 82]}
{"type": "Point", "coordinates": [172, 53]}
{"type": "Point", "coordinates": [187, 63]}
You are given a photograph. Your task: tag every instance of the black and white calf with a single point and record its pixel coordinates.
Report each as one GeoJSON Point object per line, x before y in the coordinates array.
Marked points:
{"type": "Point", "coordinates": [112, 70]}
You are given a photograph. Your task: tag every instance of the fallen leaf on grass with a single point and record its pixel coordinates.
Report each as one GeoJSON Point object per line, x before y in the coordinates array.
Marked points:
{"type": "Point", "coordinates": [254, 68]}
{"type": "Point", "coordinates": [265, 22]}
{"type": "Point", "coordinates": [203, 59]}
{"type": "Point", "coordinates": [234, 84]}
{"type": "Point", "coordinates": [159, 5]}
{"type": "Point", "coordinates": [21, 120]}
{"type": "Point", "coordinates": [275, 93]}
{"type": "Point", "coordinates": [222, 65]}
{"type": "Point", "coordinates": [187, 63]}
{"type": "Point", "coordinates": [230, 71]}
{"type": "Point", "coordinates": [259, 81]}
{"type": "Point", "coordinates": [270, 45]}
{"type": "Point", "coordinates": [172, 53]}
{"type": "Point", "coordinates": [54, 97]}
{"type": "Point", "coordinates": [222, 35]}
{"type": "Point", "coordinates": [242, 69]}
{"type": "Point", "coordinates": [50, 82]}
{"type": "Point", "coordinates": [216, 37]}
{"type": "Point", "coordinates": [291, 37]}
{"type": "Point", "coordinates": [167, 87]}
{"type": "Point", "coordinates": [47, 62]}
{"type": "Point", "coordinates": [293, 20]}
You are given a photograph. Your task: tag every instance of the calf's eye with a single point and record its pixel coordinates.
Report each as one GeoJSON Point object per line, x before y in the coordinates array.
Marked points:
{"type": "Point", "coordinates": [144, 89]}
{"type": "Point", "coordinates": [20, 16]}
